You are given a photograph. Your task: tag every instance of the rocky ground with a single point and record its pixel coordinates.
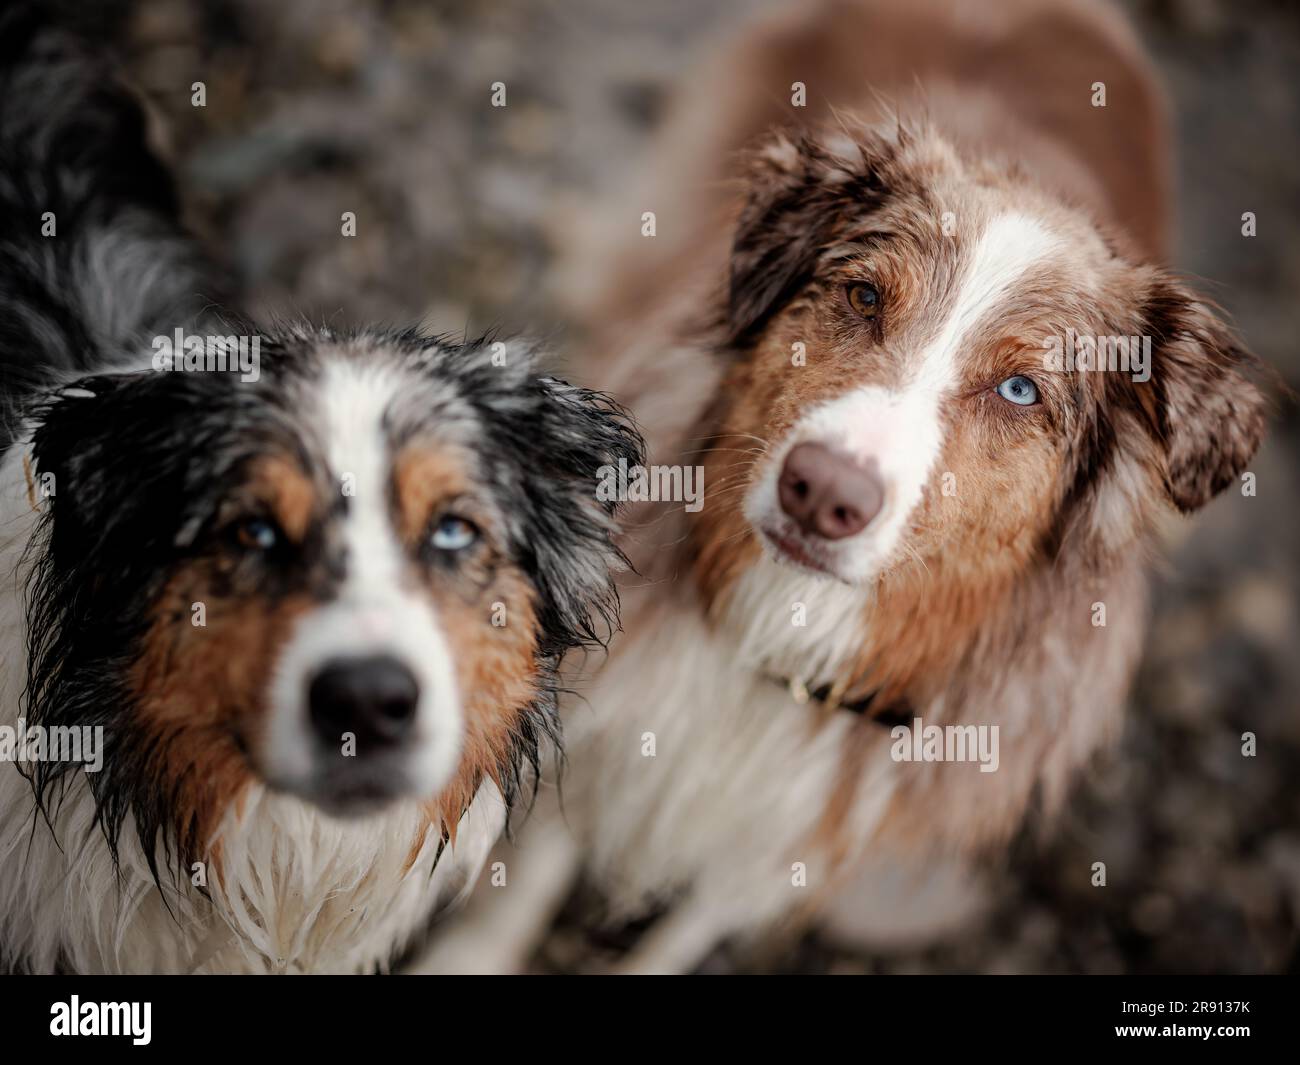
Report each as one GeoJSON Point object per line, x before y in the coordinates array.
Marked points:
{"type": "Point", "coordinates": [380, 108]}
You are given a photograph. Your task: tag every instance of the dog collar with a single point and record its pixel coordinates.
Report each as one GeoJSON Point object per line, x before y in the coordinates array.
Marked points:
{"type": "Point", "coordinates": [831, 698]}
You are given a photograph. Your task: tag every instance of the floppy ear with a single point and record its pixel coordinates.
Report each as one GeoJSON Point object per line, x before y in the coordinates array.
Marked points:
{"type": "Point", "coordinates": [585, 430]}
{"type": "Point", "coordinates": [117, 468]}
{"type": "Point", "coordinates": [1208, 415]}
{"type": "Point", "coordinates": [93, 439]}
{"type": "Point", "coordinates": [563, 440]}
{"type": "Point", "coordinates": [797, 191]}
{"type": "Point", "coordinates": [115, 439]}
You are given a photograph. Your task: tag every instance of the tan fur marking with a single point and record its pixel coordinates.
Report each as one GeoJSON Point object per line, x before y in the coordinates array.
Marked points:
{"type": "Point", "coordinates": [281, 484]}
{"type": "Point", "coordinates": [423, 479]}
{"type": "Point", "coordinates": [497, 675]}
{"type": "Point", "coordinates": [202, 693]}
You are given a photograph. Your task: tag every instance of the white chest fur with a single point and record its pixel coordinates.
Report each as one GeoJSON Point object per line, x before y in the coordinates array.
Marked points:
{"type": "Point", "coordinates": [693, 766]}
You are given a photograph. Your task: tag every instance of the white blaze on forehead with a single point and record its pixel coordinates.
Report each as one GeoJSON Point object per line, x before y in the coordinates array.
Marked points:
{"type": "Point", "coordinates": [1008, 247]}
{"type": "Point", "coordinates": [381, 608]}
{"type": "Point", "coordinates": [899, 429]}
{"type": "Point", "coordinates": [353, 399]}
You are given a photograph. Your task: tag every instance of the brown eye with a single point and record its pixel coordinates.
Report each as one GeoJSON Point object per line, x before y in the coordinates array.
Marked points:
{"type": "Point", "coordinates": [864, 299]}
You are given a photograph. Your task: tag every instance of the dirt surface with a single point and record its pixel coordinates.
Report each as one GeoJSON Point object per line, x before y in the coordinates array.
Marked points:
{"type": "Point", "coordinates": [318, 108]}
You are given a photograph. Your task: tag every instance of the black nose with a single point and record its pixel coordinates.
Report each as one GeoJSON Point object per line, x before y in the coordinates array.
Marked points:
{"type": "Point", "coordinates": [373, 698]}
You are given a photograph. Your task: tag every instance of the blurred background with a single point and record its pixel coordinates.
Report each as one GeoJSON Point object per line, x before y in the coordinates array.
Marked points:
{"type": "Point", "coordinates": [381, 107]}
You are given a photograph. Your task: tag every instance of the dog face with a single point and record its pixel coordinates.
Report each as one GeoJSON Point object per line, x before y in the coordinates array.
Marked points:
{"type": "Point", "coordinates": [894, 312]}
{"type": "Point", "coordinates": [351, 579]}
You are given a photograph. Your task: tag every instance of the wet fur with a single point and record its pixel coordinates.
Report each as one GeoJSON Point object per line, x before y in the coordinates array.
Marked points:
{"type": "Point", "coordinates": [99, 574]}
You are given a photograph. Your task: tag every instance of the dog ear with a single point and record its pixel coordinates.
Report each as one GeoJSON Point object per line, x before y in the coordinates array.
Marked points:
{"type": "Point", "coordinates": [89, 440]}
{"type": "Point", "coordinates": [798, 190]}
{"type": "Point", "coordinates": [567, 536]}
{"type": "Point", "coordinates": [1206, 412]}
{"type": "Point", "coordinates": [113, 458]}
{"type": "Point", "coordinates": [137, 436]}
{"type": "Point", "coordinates": [588, 430]}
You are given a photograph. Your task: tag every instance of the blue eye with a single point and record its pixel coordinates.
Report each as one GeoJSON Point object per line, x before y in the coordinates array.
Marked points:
{"type": "Point", "coordinates": [454, 534]}
{"type": "Point", "coordinates": [1019, 390]}
{"type": "Point", "coordinates": [256, 534]}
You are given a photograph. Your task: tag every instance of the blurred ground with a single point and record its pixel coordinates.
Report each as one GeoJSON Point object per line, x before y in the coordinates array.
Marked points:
{"type": "Point", "coordinates": [381, 108]}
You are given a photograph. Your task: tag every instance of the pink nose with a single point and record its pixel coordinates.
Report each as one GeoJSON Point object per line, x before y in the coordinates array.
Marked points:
{"type": "Point", "coordinates": [827, 493]}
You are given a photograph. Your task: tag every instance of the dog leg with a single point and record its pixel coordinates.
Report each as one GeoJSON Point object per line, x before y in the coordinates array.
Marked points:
{"type": "Point", "coordinates": [501, 927]}
{"type": "Point", "coordinates": [680, 940]}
